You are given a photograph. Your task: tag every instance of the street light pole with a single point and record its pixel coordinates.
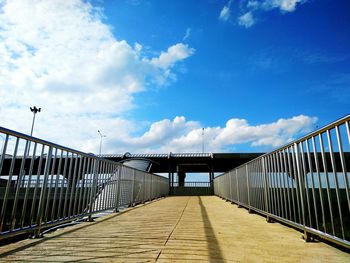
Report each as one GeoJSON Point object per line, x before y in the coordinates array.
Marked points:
{"type": "Point", "coordinates": [35, 110]}
{"type": "Point", "coordinates": [101, 135]}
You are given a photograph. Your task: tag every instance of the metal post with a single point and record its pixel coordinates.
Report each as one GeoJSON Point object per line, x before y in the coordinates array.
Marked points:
{"type": "Point", "coordinates": [132, 188]}
{"type": "Point", "coordinates": [144, 188]}
{"type": "Point", "coordinates": [94, 183]}
{"type": "Point", "coordinates": [119, 181]}
{"type": "Point", "coordinates": [248, 194]}
{"type": "Point", "coordinates": [43, 193]}
{"type": "Point", "coordinates": [301, 189]}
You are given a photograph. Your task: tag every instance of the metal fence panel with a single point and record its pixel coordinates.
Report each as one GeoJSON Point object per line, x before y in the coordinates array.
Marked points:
{"type": "Point", "coordinates": [304, 183]}
{"type": "Point", "coordinates": [43, 184]}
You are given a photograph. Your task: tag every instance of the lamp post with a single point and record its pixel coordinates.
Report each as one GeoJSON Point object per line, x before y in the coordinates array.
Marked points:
{"type": "Point", "coordinates": [102, 136]}
{"type": "Point", "coordinates": [35, 110]}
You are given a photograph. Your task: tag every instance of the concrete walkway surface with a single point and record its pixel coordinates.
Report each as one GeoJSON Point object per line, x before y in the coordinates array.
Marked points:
{"type": "Point", "coordinates": [175, 229]}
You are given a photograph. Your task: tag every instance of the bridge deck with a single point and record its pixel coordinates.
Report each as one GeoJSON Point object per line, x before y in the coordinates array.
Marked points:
{"type": "Point", "coordinates": [175, 229]}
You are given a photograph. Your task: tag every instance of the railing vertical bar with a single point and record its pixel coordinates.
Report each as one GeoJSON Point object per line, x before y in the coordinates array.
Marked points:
{"type": "Point", "coordinates": [282, 183]}
{"type": "Point", "coordinates": [119, 173]}
{"type": "Point", "coordinates": [50, 186]}
{"type": "Point", "coordinates": [78, 184]}
{"type": "Point", "coordinates": [286, 178]}
{"type": "Point", "coordinates": [272, 185]}
{"type": "Point", "coordinates": [89, 186]}
{"type": "Point", "coordinates": [325, 172]}
{"type": "Point", "coordinates": [308, 219]}
{"type": "Point", "coordinates": [343, 165]}
{"type": "Point", "coordinates": [301, 187]}
{"type": "Point", "coordinates": [279, 185]}
{"type": "Point", "coordinates": [43, 192]}
{"type": "Point", "coordinates": [14, 220]}
{"type": "Point", "coordinates": [8, 186]}
{"type": "Point", "coordinates": [315, 153]}
{"type": "Point", "coordinates": [312, 183]}
{"type": "Point", "coordinates": [37, 183]}
{"type": "Point", "coordinates": [56, 186]}
{"type": "Point", "coordinates": [297, 183]}
{"type": "Point", "coordinates": [266, 186]}
{"type": "Point", "coordinates": [73, 185]}
{"type": "Point", "coordinates": [248, 186]}
{"type": "Point", "coordinates": [3, 154]}
{"type": "Point", "coordinates": [69, 183]}
{"type": "Point", "coordinates": [335, 177]}
{"type": "Point", "coordinates": [64, 176]}
{"type": "Point", "coordinates": [28, 187]}
{"type": "Point", "coordinates": [82, 186]}
{"type": "Point", "coordinates": [292, 181]}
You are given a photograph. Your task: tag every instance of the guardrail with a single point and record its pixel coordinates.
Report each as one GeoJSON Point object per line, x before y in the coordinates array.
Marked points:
{"type": "Point", "coordinates": [192, 184]}
{"type": "Point", "coordinates": [43, 184]}
{"type": "Point", "coordinates": [304, 184]}
{"type": "Point", "coordinates": [191, 188]}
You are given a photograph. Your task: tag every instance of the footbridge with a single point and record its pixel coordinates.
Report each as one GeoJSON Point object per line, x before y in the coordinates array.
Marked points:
{"type": "Point", "coordinates": [259, 208]}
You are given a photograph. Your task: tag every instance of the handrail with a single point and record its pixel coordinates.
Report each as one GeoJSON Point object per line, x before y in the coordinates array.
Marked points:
{"type": "Point", "coordinates": [304, 184]}
{"type": "Point", "coordinates": [303, 138]}
{"type": "Point", "coordinates": [44, 184]}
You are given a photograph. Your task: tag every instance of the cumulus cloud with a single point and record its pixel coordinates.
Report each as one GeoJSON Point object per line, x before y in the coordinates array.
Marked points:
{"type": "Point", "coordinates": [61, 56]}
{"type": "Point", "coordinates": [179, 135]}
{"type": "Point", "coordinates": [246, 20]}
{"type": "Point", "coordinates": [172, 55]}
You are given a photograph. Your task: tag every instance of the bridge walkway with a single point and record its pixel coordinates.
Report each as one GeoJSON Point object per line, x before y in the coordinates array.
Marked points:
{"type": "Point", "coordinates": [174, 229]}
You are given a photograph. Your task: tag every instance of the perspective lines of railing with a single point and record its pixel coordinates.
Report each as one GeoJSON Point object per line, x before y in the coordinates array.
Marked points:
{"type": "Point", "coordinates": [43, 184]}
{"type": "Point", "coordinates": [304, 184]}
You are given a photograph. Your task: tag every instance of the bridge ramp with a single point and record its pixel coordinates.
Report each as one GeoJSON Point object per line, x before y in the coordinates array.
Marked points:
{"type": "Point", "coordinates": [175, 229]}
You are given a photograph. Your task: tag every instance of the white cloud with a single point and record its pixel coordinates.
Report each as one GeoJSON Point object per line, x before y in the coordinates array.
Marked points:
{"type": "Point", "coordinates": [179, 135]}
{"type": "Point", "coordinates": [246, 20]}
{"type": "Point", "coordinates": [283, 5]}
{"type": "Point", "coordinates": [225, 13]}
{"type": "Point", "coordinates": [60, 56]}
{"type": "Point", "coordinates": [253, 8]}
{"type": "Point", "coordinates": [174, 54]}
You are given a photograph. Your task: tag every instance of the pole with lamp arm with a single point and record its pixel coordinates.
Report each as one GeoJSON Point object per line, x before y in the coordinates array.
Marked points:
{"type": "Point", "coordinates": [35, 110]}
{"type": "Point", "coordinates": [102, 136]}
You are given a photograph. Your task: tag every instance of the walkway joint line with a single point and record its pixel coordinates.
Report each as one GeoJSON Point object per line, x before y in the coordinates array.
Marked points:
{"type": "Point", "coordinates": [172, 231]}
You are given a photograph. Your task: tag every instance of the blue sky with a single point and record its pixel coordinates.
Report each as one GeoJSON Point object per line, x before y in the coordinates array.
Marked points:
{"type": "Point", "coordinates": [291, 60]}
{"type": "Point", "coordinates": [151, 74]}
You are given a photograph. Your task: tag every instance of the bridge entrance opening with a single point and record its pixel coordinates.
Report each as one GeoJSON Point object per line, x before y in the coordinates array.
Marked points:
{"type": "Point", "coordinates": [190, 184]}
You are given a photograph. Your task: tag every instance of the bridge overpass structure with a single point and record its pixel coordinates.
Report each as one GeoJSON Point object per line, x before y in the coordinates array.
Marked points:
{"type": "Point", "coordinates": [303, 185]}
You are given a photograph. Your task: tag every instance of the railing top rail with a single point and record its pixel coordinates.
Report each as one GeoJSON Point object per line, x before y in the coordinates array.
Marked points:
{"type": "Point", "coordinates": [66, 149]}
{"type": "Point", "coordinates": [44, 142]}
{"type": "Point", "coordinates": [339, 121]}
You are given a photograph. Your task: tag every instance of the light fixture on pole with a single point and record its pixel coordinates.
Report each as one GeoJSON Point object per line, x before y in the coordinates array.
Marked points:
{"type": "Point", "coordinates": [35, 110]}
{"type": "Point", "coordinates": [101, 135]}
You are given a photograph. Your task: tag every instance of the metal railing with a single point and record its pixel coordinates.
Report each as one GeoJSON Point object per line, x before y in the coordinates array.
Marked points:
{"type": "Point", "coordinates": [304, 184]}
{"type": "Point", "coordinates": [191, 188]}
{"type": "Point", "coordinates": [44, 184]}
{"type": "Point", "coordinates": [192, 184]}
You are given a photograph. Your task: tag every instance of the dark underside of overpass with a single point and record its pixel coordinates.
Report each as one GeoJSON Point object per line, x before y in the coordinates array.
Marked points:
{"type": "Point", "coordinates": [189, 162]}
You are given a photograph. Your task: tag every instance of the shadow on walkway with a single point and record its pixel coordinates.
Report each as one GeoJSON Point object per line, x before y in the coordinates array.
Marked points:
{"type": "Point", "coordinates": [214, 249]}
